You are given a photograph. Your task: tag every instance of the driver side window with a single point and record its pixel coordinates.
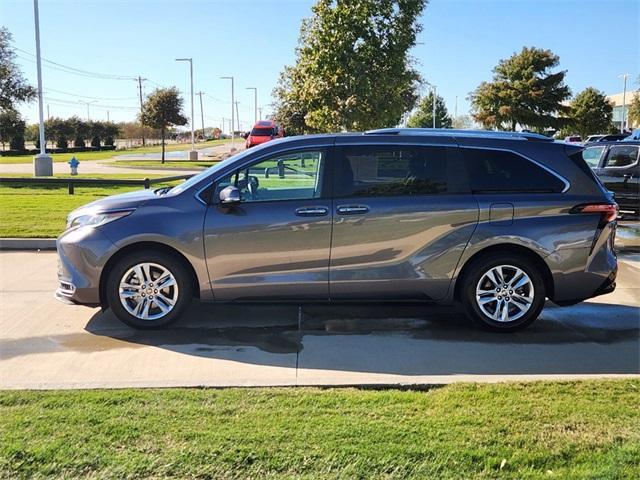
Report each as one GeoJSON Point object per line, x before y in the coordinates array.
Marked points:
{"type": "Point", "coordinates": [290, 176]}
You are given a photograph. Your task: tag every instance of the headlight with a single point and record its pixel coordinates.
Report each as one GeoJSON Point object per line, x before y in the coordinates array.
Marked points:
{"type": "Point", "coordinates": [95, 219]}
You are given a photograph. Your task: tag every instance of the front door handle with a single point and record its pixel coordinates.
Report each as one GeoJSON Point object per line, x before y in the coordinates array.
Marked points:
{"type": "Point", "coordinates": [312, 211]}
{"type": "Point", "coordinates": [352, 209]}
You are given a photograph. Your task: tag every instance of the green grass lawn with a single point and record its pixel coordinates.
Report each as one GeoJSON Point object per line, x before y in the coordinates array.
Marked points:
{"type": "Point", "coordinates": [41, 211]}
{"type": "Point", "coordinates": [65, 157]}
{"type": "Point", "coordinates": [587, 429]}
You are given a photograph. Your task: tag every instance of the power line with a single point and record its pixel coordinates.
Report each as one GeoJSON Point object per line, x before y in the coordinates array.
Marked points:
{"type": "Point", "coordinates": [75, 71]}
{"type": "Point", "coordinates": [113, 99]}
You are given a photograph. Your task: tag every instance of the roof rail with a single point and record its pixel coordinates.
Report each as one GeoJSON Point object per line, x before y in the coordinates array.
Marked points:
{"type": "Point", "coordinates": [449, 132]}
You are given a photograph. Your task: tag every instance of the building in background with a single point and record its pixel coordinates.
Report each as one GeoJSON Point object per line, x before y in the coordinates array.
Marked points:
{"type": "Point", "coordinates": [616, 101]}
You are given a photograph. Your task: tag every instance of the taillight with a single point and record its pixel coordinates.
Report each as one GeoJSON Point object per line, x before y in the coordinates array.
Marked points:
{"type": "Point", "coordinates": [608, 211]}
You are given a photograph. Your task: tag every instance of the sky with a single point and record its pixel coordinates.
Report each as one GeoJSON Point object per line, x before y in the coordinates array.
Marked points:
{"type": "Point", "coordinates": [252, 40]}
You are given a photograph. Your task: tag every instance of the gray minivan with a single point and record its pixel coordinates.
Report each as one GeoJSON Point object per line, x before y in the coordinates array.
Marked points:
{"type": "Point", "coordinates": [497, 221]}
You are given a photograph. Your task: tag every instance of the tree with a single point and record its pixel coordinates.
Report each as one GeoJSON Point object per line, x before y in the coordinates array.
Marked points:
{"type": "Point", "coordinates": [80, 130]}
{"type": "Point", "coordinates": [162, 109]}
{"type": "Point", "coordinates": [524, 91]}
{"type": "Point", "coordinates": [13, 87]}
{"type": "Point", "coordinates": [590, 113]}
{"type": "Point", "coordinates": [353, 70]}
{"type": "Point", "coordinates": [96, 132]}
{"type": "Point", "coordinates": [463, 122]}
{"type": "Point", "coordinates": [59, 130]}
{"type": "Point", "coordinates": [634, 107]}
{"type": "Point", "coordinates": [111, 131]}
{"type": "Point", "coordinates": [11, 127]}
{"type": "Point", "coordinates": [423, 117]}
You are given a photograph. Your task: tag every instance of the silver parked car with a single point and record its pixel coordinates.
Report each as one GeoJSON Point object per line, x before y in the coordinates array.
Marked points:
{"type": "Point", "coordinates": [496, 221]}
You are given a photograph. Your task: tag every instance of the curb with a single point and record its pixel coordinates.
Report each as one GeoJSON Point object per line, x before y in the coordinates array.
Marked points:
{"type": "Point", "coordinates": [27, 243]}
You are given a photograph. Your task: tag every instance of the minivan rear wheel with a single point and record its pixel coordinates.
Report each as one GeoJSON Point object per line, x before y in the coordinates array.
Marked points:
{"type": "Point", "coordinates": [148, 290]}
{"type": "Point", "coordinates": [503, 292]}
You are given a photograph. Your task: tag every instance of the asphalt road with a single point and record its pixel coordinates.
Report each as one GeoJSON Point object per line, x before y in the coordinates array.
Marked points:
{"type": "Point", "coordinates": [45, 344]}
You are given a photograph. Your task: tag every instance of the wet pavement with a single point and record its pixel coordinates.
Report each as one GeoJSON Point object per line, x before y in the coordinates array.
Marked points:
{"type": "Point", "coordinates": [45, 344]}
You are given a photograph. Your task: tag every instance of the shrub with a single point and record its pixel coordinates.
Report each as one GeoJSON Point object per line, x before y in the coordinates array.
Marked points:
{"type": "Point", "coordinates": [62, 142]}
{"type": "Point", "coordinates": [17, 143]}
{"type": "Point", "coordinates": [95, 142]}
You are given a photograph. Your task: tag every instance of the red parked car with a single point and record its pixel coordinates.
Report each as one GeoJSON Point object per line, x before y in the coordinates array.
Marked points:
{"type": "Point", "coordinates": [262, 132]}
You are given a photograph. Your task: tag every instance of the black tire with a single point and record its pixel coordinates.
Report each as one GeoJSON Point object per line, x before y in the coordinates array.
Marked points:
{"type": "Point", "coordinates": [476, 271]}
{"type": "Point", "coordinates": [174, 265]}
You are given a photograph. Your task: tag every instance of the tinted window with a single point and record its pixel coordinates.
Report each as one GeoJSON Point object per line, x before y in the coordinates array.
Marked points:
{"type": "Point", "coordinates": [622, 156]}
{"type": "Point", "coordinates": [592, 156]}
{"type": "Point", "coordinates": [500, 171]}
{"type": "Point", "coordinates": [261, 132]}
{"type": "Point", "coordinates": [293, 176]}
{"type": "Point", "coordinates": [391, 171]}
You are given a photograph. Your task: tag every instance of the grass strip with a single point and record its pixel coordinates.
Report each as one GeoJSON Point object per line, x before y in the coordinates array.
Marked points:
{"type": "Point", "coordinates": [588, 429]}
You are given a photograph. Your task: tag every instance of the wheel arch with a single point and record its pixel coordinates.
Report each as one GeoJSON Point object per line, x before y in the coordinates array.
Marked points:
{"type": "Point", "coordinates": [147, 246]}
{"type": "Point", "coordinates": [534, 257]}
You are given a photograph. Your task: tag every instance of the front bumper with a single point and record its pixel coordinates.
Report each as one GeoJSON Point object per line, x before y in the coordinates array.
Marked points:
{"type": "Point", "coordinates": [82, 254]}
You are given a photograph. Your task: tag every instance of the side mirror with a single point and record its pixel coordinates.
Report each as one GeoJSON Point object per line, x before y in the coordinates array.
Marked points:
{"type": "Point", "coordinates": [229, 196]}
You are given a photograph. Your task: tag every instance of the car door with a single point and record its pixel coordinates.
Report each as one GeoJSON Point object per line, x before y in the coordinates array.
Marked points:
{"type": "Point", "coordinates": [620, 172]}
{"type": "Point", "coordinates": [402, 218]}
{"type": "Point", "coordinates": [275, 243]}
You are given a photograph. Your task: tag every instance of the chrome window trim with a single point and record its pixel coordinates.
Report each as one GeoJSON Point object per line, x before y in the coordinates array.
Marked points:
{"type": "Point", "coordinates": [567, 185]}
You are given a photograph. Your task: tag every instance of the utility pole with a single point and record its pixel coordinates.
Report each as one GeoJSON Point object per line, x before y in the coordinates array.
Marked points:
{"type": "Point", "coordinates": [140, 80]}
{"type": "Point", "coordinates": [193, 154]}
{"type": "Point", "coordinates": [42, 163]}
{"type": "Point", "coordinates": [108, 116]}
{"type": "Point", "coordinates": [624, 100]}
{"type": "Point", "coordinates": [48, 117]}
{"type": "Point", "coordinates": [201, 111]}
{"type": "Point", "coordinates": [260, 113]}
{"type": "Point", "coordinates": [237, 115]}
{"type": "Point", "coordinates": [255, 104]}
{"type": "Point", "coordinates": [233, 139]}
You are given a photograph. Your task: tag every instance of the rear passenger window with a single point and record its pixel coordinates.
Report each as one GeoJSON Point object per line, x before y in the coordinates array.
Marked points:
{"type": "Point", "coordinates": [374, 171]}
{"type": "Point", "coordinates": [592, 156]}
{"type": "Point", "coordinates": [622, 156]}
{"type": "Point", "coordinates": [500, 171]}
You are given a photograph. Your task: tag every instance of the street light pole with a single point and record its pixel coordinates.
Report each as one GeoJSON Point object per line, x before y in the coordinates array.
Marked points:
{"type": "Point", "coordinates": [42, 163]}
{"type": "Point", "coordinates": [200, 93]}
{"type": "Point", "coordinates": [624, 99]}
{"type": "Point", "coordinates": [233, 115]}
{"type": "Point", "coordinates": [238, 115]}
{"type": "Point", "coordinates": [255, 104]}
{"type": "Point", "coordinates": [87, 104]}
{"type": "Point", "coordinates": [193, 154]}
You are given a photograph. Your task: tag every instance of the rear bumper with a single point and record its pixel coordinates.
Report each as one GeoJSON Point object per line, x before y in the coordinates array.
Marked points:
{"type": "Point", "coordinates": [582, 273]}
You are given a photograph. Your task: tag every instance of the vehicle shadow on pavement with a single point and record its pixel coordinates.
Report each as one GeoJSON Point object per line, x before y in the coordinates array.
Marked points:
{"type": "Point", "coordinates": [589, 338]}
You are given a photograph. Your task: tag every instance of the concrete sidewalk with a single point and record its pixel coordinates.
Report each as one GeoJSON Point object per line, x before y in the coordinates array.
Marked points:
{"type": "Point", "coordinates": [45, 344]}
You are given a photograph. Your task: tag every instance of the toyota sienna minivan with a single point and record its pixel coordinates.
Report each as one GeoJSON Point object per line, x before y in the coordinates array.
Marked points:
{"type": "Point", "coordinates": [496, 221]}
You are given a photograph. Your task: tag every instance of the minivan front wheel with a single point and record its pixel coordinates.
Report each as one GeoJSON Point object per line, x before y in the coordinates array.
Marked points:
{"type": "Point", "coordinates": [148, 290]}
{"type": "Point", "coordinates": [503, 292]}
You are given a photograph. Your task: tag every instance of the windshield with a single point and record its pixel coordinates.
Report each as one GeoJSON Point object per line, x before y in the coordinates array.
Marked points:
{"type": "Point", "coordinates": [262, 132]}
{"type": "Point", "coordinates": [208, 172]}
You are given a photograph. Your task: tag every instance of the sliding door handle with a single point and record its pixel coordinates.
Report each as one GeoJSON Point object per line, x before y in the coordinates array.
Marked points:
{"type": "Point", "coordinates": [312, 211]}
{"type": "Point", "coordinates": [352, 209]}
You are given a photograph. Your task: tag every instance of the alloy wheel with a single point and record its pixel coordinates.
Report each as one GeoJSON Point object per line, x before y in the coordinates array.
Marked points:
{"type": "Point", "coordinates": [148, 291]}
{"type": "Point", "coordinates": [504, 293]}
